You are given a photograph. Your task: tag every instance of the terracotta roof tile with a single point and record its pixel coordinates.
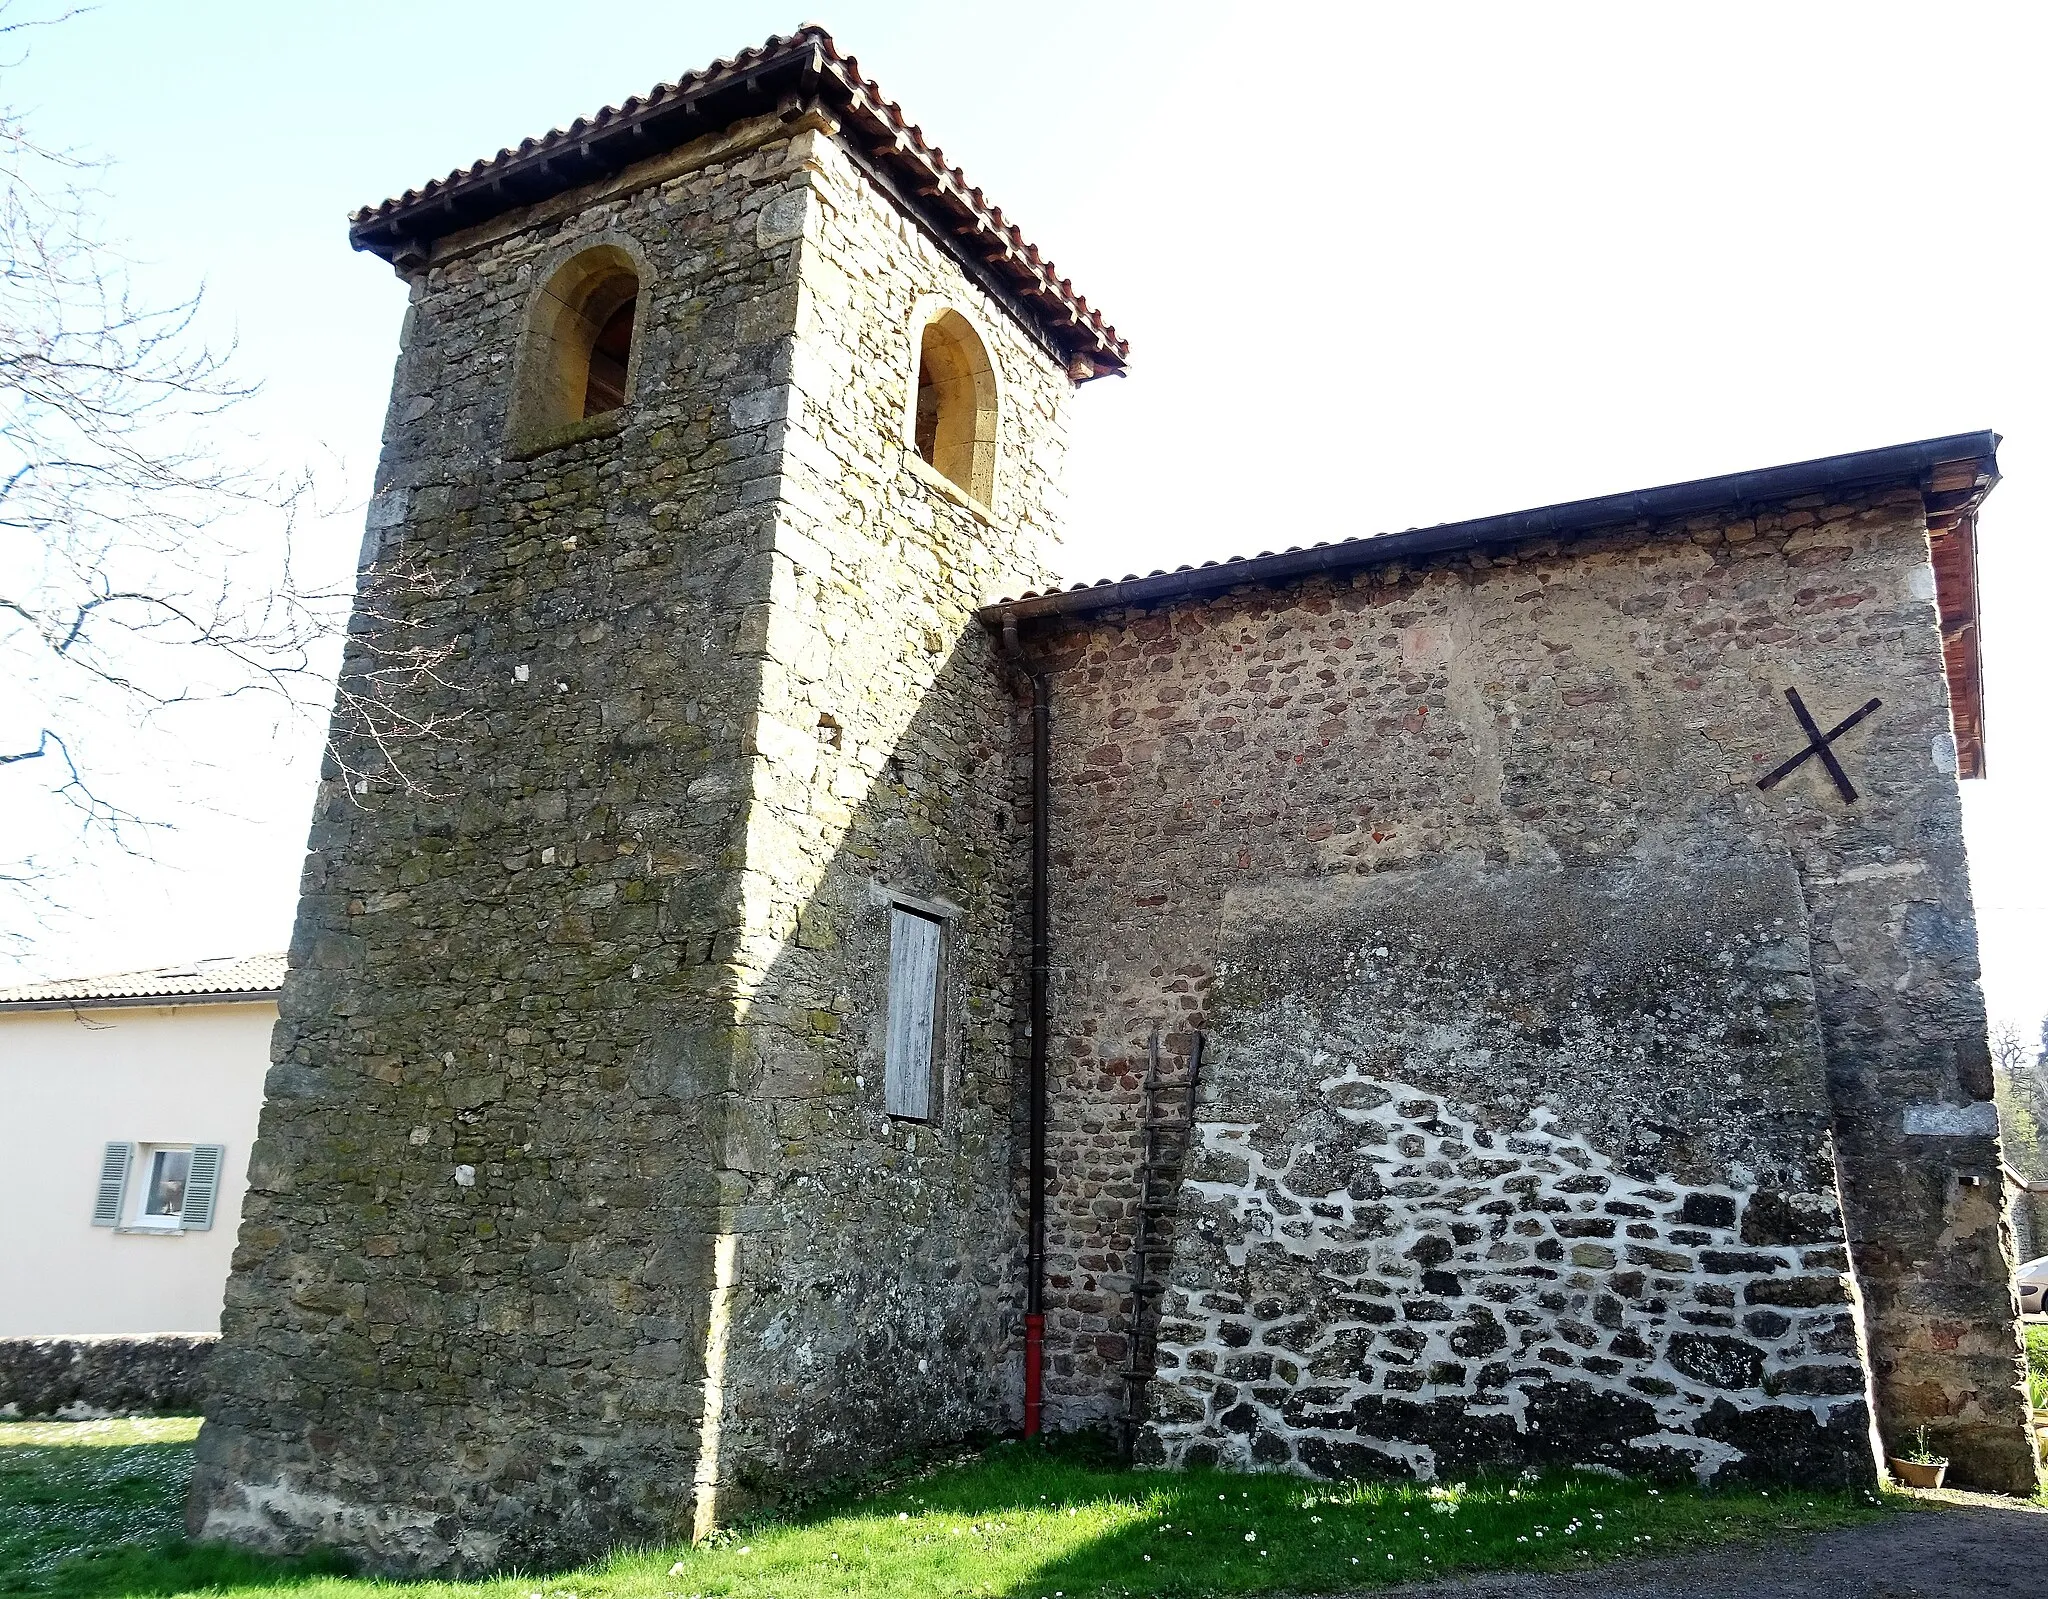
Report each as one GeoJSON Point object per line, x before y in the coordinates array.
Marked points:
{"type": "Point", "coordinates": [1969, 460]}
{"type": "Point", "coordinates": [228, 974]}
{"type": "Point", "coordinates": [787, 73]}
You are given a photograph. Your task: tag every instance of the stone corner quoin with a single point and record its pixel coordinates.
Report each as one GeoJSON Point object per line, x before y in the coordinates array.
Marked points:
{"type": "Point", "coordinates": [1568, 1097]}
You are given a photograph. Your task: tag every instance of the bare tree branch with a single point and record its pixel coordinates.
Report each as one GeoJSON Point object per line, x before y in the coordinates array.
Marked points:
{"type": "Point", "coordinates": [140, 570]}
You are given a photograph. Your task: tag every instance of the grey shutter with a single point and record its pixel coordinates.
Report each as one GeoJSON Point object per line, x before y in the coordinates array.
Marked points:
{"type": "Point", "coordinates": [200, 1186]}
{"type": "Point", "coordinates": [913, 1001]}
{"type": "Point", "coordinates": [106, 1209]}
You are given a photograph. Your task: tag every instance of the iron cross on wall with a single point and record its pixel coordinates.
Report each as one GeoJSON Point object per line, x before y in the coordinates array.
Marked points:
{"type": "Point", "coordinates": [1821, 744]}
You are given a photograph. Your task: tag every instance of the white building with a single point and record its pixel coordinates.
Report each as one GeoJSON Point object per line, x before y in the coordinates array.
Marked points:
{"type": "Point", "coordinates": [129, 1104]}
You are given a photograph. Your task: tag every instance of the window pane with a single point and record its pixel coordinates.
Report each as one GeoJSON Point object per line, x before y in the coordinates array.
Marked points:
{"type": "Point", "coordinates": [168, 1171]}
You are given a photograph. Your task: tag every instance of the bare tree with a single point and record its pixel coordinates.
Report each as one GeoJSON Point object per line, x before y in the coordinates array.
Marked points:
{"type": "Point", "coordinates": [2016, 1083]}
{"type": "Point", "coordinates": [139, 569]}
{"type": "Point", "coordinates": [2009, 1047]}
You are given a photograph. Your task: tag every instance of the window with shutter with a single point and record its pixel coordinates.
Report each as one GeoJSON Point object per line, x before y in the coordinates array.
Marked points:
{"type": "Point", "coordinates": [106, 1209]}
{"type": "Point", "coordinates": [201, 1185]}
{"type": "Point", "coordinates": [913, 1010]}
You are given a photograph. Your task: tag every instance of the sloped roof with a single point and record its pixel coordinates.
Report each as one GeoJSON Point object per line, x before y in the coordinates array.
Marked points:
{"type": "Point", "coordinates": [790, 73]}
{"type": "Point", "coordinates": [1952, 473]}
{"type": "Point", "coordinates": [221, 977]}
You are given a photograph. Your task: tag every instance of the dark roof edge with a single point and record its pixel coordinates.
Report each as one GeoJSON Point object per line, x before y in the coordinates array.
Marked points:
{"type": "Point", "coordinates": [786, 76]}
{"type": "Point", "coordinates": [230, 996]}
{"type": "Point", "coordinates": [1734, 491]}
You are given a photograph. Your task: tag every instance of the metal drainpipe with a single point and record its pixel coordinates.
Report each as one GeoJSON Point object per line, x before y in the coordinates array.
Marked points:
{"type": "Point", "coordinates": [1041, 961]}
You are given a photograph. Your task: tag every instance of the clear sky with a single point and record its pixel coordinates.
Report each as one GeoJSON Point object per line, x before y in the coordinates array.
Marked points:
{"type": "Point", "coordinates": [1381, 265]}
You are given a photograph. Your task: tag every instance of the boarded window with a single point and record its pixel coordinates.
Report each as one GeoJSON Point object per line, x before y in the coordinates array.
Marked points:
{"type": "Point", "coordinates": [913, 1011]}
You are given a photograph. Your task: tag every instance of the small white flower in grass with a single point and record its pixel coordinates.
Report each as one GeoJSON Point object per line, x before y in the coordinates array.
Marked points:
{"type": "Point", "coordinates": [746, 1549]}
{"type": "Point", "coordinates": [902, 1515]}
{"type": "Point", "coordinates": [675, 1570]}
{"type": "Point", "coordinates": [1148, 1560]}
{"type": "Point", "coordinates": [1251, 1537]}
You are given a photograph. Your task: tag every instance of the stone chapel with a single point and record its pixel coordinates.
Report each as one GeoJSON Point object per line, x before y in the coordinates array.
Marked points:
{"type": "Point", "coordinates": [1494, 995]}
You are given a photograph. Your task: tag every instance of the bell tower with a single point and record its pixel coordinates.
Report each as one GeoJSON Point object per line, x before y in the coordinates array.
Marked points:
{"type": "Point", "coordinates": [639, 1133]}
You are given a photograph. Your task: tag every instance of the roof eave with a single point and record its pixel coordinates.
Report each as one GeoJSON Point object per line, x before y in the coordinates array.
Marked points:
{"type": "Point", "coordinates": [1917, 464]}
{"type": "Point", "coordinates": [253, 996]}
{"type": "Point", "coordinates": [1952, 475]}
{"type": "Point", "coordinates": [788, 76]}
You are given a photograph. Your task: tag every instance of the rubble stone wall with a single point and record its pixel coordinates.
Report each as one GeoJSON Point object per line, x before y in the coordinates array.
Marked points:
{"type": "Point", "coordinates": [72, 1379]}
{"type": "Point", "coordinates": [1551, 705]}
{"type": "Point", "coordinates": [1513, 1166]}
{"type": "Point", "coordinates": [575, 1218]}
{"type": "Point", "coordinates": [876, 1289]}
{"type": "Point", "coordinates": [471, 1300]}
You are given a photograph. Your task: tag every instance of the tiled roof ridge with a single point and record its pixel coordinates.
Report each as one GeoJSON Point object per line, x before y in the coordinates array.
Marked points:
{"type": "Point", "coordinates": [1862, 468]}
{"type": "Point", "coordinates": [1004, 245]}
{"type": "Point", "coordinates": [216, 974]}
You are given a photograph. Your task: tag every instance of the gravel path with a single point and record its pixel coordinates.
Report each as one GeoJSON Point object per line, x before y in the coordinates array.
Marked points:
{"type": "Point", "coordinates": [1974, 1548]}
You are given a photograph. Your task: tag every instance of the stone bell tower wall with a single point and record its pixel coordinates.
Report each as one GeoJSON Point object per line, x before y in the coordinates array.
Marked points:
{"type": "Point", "coordinates": [509, 1166]}
{"type": "Point", "coordinates": [875, 1287]}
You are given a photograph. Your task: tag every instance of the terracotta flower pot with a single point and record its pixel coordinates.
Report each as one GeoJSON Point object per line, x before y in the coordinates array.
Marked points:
{"type": "Point", "coordinates": [1915, 1475]}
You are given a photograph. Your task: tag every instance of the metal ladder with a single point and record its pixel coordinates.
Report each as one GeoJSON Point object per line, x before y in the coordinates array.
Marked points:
{"type": "Point", "coordinates": [1166, 1139]}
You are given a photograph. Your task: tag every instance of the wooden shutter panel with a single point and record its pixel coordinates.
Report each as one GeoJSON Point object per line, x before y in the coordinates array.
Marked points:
{"type": "Point", "coordinates": [913, 1002]}
{"type": "Point", "coordinates": [106, 1209]}
{"type": "Point", "coordinates": [201, 1185]}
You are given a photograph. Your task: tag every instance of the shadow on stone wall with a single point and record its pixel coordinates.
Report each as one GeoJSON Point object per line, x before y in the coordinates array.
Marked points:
{"type": "Point", "coordinates": [874, 1307]}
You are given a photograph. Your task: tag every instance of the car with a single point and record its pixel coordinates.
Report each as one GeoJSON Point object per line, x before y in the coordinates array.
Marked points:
{"type": "Point", "coordinates": [2033, 1278]}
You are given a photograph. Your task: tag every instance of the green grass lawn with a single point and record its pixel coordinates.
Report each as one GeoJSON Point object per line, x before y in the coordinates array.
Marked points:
{"type": "Point", "coordinates": [91, 1510]}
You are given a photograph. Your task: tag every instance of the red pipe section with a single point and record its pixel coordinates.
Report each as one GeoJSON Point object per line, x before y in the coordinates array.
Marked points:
{"type": "Point", "coordinates": [1034, 1371]}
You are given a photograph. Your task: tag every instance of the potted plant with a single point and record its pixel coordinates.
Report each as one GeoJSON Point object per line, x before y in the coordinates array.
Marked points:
{"type": "Point", "coordinates": [1920, 1467]}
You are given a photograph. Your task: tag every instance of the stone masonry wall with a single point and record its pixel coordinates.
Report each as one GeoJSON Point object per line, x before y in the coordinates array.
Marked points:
{"type": "Point", "coordinates": [1516, 1165]}
{"type": "Point", "coordinates": [575, 1218]}
{"type": "Point", "coordinates": [474, 1287]}
{"type": "Point", "coordinates": [874, 1294]}
{"type": "Point", "coordinates": [161, 1374]}
{"type": "Point", "coordinates": [1562, 705]}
